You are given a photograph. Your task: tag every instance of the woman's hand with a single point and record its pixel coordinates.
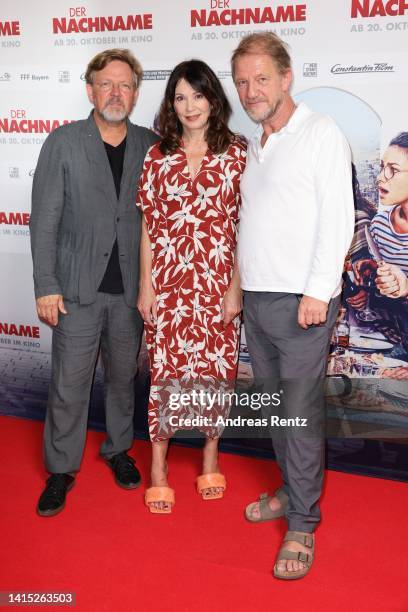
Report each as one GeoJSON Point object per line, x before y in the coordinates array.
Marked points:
{"type": "Point", "coordinates": [231, 304]}
{"type": "Point", "coordinates": [391, 281]}
{"type": "Point", "coordinates": [147, 304]}
{"type": "Point", "coordinates": [362, 266]}
{"type": "Point", "coordinates": [359, 300]}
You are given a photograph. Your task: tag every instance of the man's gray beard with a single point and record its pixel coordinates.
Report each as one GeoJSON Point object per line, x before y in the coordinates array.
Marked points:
{"type": "Point", "coordinates": [267, 114]}
{"type": "Point", "coordinates": [114, 117]}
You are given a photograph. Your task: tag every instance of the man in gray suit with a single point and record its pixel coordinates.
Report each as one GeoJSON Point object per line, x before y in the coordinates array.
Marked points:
{"type": "Point", "coordinates": [85, 232]}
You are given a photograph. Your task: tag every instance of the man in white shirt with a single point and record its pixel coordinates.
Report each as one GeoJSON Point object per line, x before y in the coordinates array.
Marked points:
{"type": "Point", "coordinates": [297, 221]}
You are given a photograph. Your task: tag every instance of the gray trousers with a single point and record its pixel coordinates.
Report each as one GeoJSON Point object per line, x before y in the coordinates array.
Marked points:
{"type": "Point", "coordinates": [286, 357]}
{"type": "Point", "coordinates": [110, 324]}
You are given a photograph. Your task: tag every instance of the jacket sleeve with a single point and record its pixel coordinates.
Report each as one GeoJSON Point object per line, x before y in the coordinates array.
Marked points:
{"type": "Point", "coordinates": [46, 211]}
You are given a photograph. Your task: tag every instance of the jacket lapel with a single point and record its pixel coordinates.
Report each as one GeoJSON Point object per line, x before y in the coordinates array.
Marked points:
{"type": "Point", "coordinates": [132, 165]}
{"type": "Point", "coordinates": [98, 160]}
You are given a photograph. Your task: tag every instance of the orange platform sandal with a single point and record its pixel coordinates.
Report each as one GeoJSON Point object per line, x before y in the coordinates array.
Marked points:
{"type": "Point", "coordinates": [210, 481]}
{"type": "Point", "coordinates": [155, 495]}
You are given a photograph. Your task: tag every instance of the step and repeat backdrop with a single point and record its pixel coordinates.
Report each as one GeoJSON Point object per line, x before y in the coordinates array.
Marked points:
{"type": "Point", "coordinates": [350, 60]}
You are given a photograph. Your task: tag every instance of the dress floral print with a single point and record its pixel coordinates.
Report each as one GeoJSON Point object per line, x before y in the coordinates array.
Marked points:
{"type": "Point", "coordinates": [192, 226]}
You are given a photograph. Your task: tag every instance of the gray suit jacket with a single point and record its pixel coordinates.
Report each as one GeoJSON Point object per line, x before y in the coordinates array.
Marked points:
{"type": "Point", "coordinates": [76, 215]}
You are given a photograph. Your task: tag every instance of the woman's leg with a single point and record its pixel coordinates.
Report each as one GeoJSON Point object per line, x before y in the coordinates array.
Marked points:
{"type": "Point", "coordinates": [159, 469]}
{"type": "Point", "coordinates": [210, 463]}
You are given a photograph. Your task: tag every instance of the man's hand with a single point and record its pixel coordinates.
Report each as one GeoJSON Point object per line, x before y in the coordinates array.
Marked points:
{"type": "Point", "coordinates": [231, 304]}
{"type": "Point", "coordinates": [391, 281]}
{"type": "Point", "coordinates": [311, 311]}
{"type": "Point", "coordinates": [147, 304]}
{"type": "Point", "coordinates": [48, 307]}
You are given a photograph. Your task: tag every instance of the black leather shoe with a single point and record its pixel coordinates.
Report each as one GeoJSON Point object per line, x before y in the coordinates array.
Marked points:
{"type": "Point", "coordinates": [126, 473]}
{"type": "Point", "coordinates": [52, 499]}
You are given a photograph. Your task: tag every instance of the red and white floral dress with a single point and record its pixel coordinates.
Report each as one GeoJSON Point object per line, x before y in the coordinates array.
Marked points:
{"type": "Point", "coordinates": [192, 226]}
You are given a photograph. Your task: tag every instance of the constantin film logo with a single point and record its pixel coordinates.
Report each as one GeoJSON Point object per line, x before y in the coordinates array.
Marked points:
{"type": "Point", "coordinates": [18, 122]}
{"type": "Point", "coordinates": [221, 13]}
{"type": "Point", "coordinates": [375, 67]}
{"type": "Point", "coordinates": [378, 8]}
{"type": "Point", "coordinates": [79, 22]}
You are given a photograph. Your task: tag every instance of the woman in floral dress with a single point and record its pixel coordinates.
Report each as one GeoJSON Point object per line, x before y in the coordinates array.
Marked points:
{"type": "Point", "coordinates": [189, 296]}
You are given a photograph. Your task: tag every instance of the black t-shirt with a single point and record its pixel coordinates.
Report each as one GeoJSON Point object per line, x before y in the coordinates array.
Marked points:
{"type": "Point", "coordinates": [112, 281]}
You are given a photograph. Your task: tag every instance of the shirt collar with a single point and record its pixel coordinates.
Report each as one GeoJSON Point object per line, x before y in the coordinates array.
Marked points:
{"type": "Point", "coordinates": [301, 114]}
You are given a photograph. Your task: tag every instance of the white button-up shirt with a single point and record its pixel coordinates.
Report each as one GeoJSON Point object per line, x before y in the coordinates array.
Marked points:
{"type": "Point", "coordinates": [297, 211]}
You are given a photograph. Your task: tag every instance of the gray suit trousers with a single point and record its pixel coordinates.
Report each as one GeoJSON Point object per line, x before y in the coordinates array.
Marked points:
{"type": "Point", "coordinates": [116, 328]}
{"type": "Point", "coordinates": [286, 357]}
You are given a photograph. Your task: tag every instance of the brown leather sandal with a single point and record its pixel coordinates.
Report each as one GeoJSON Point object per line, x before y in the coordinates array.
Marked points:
{"type": "Point", "coordinates": [265, 512]}
{"type": "Point", "coordinates": [154, 495]}
{"type": "Point", "coordinates": [307, 540]}
{"type": "Point", "coordinates": [210, 481]}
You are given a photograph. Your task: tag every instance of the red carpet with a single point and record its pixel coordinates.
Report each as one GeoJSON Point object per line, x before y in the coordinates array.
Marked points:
{"type": "Point", "coordinates": [116, 556]}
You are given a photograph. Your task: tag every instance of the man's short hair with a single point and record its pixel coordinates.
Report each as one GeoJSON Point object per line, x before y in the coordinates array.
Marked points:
{"type": "Point", "coordinates": [100, 61]}
{"type": "Point", "coordinates": [265, 43]}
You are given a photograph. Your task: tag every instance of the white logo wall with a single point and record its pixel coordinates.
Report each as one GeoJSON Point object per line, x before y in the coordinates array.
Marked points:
{"type": "Point", "coordinates": [347, 46]}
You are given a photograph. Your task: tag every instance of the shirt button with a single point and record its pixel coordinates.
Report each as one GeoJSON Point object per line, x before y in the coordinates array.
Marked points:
{"type": "Point", "coordinates": [105, 254]}
{"type": "Point", "coordinates": [117, 218]}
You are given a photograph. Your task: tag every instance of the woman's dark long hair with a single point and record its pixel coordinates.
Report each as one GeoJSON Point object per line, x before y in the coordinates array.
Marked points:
{"type": "Point", "coordinates": [202, 79]}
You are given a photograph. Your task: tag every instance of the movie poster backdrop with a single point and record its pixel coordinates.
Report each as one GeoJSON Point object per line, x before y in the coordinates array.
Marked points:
{"type": "Point", "coordinates": [349, 61]}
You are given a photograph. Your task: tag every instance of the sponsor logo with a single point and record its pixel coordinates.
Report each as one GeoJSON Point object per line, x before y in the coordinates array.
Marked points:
{"type": "Point", "coordinates": [14, 172]}
{"type": "Point", "coordinates": [34, 77]}
{"type": "Point", "coordinates": [6, 76]}
{"type": "Point", "coordinates": [310, 69]}
{"type": "Point", "coordinates": [13, 329]}
{"type": "Point", "coordinates": [64, 76]}
{"type": "Point", "coordinates": [19, 123]}
{"type": "Point", "coordinates": [79, 22]}
{"type": "Point", "coordinates": [10, 28]}
{"type": "Point", "coordinates": [367, 68]}
{"type": "Point", "coordinates": [378, 8]}
{"type": "Point", "coordinates": [220, 14]}
{"type": "Point", "coordinates": [14, 218]}
{"type": "Point", "coordinates": [156, 75]}
{"type": "Point", "coordinates": [224, 74]}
